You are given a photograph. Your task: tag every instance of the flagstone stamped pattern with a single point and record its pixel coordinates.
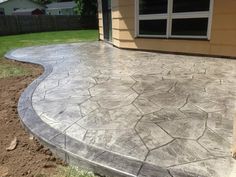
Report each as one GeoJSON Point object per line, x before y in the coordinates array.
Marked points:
{"type": "Point", "coordinates": [130, 113]}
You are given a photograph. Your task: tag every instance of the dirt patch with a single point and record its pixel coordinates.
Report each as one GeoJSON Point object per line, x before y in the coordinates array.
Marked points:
{"type": "Point", "coordinates": [29, 158]}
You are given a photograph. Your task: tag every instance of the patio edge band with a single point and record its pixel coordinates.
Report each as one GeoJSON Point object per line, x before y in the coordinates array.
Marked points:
{"type": "Point", "coordinates": [76, 152]}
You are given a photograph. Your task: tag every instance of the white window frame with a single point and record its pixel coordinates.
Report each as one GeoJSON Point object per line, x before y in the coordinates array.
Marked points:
{"type": "Point", "coordinates": [169, 16]}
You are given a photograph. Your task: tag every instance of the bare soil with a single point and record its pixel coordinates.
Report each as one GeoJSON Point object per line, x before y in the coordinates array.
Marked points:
{"type": "Point", "coordinates": [29, 158]}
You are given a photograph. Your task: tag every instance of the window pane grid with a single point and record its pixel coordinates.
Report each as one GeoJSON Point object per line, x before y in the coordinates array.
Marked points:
{"type": "Point", "coordinates": [153, 6]}
{"type": "Point", "coordinates": [198, 22]}
{"type": "Point", "coordinates": [153, 17]}
{"type": "Point", "coordinates": [189, 27]}
{"type": "Point", "coordinates": [190, 5]}
{"type": "Point", "coordinates": [187, 37]}
{"type": "Point", "coordinates": [190, 15]}
{"type": "Point", "coordinates": [153, 27]}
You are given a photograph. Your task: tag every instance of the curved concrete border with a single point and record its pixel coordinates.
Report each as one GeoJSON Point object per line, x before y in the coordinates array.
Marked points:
{"type": "Point", "coordinates": [73, 151]}
{"type": "Point", "coordinates": [78, 153]}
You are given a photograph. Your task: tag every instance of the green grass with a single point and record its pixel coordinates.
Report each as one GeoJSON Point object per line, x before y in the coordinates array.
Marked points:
{"type": "Point", "coordinates": [72, 172]}
{"type": "Point", "coordinates": [11, 70]}
{"type": "Point", "coordinates": [68, 171]}
{"type": "Point", "coordinates": [33, 39]}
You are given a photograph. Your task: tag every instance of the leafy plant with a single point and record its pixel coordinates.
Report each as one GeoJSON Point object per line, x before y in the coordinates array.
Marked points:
{"type": "Point", "coordinates": [73, 172]}
{"type": "Point", "coordinates": [86, 7]}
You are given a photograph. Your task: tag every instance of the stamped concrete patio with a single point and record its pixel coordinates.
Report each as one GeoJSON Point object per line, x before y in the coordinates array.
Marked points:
{"type": "Point", "coordinates": [130, 113]}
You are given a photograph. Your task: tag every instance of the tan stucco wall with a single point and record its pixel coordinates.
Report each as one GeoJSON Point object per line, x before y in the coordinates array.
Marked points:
{"type": "Point", "coordinates": [222, 41]}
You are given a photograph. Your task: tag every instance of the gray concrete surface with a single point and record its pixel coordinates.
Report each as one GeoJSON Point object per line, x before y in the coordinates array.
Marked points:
{"type": "Point", "coordinates": [132, 113]}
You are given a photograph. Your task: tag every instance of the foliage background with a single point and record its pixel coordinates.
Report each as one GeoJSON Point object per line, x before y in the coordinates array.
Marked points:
{"type": "Point", "coordinates": [84, 7]}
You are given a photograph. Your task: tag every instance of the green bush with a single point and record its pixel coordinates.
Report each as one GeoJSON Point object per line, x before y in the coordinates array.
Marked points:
{"type": "Point", "coordinates": [86, 7]}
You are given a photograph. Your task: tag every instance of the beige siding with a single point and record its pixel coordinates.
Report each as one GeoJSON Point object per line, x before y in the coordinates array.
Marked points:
{"type": "Point", "coordinates": [223, 34]}
{"type": "Point", "coordinates": [100, 25]}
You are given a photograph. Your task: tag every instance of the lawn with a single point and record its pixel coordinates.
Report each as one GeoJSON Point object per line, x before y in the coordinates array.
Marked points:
{"type": "Point", "coordinates": [33, 39]}
{"type": "Point", "coordinates": [11, 69]}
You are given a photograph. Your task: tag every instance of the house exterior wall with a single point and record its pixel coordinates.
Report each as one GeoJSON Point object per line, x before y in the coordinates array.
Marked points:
{"type": "Point", "coordinates": [100, 22]}
{"type": "Point", "coordinates": [60, 12]}
{"type": "Point", "coordinates": [10, 5]}
{"type": "Point", "coordinates": [223, 31]}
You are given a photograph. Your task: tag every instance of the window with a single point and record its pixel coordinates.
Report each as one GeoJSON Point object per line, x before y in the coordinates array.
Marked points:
{"type": "Point", "coordinates": [2, 11]}
{"type": "Point", "coordinates": [152, 27]}
{"type": "Point", "coordinates": [174, 18]}
{"type": "Point", "coordinates": [190, 5]}
{"type": "Point", "coordinates": [153, 6]}
{"type": "Point", "coordinates": [189, 27]}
